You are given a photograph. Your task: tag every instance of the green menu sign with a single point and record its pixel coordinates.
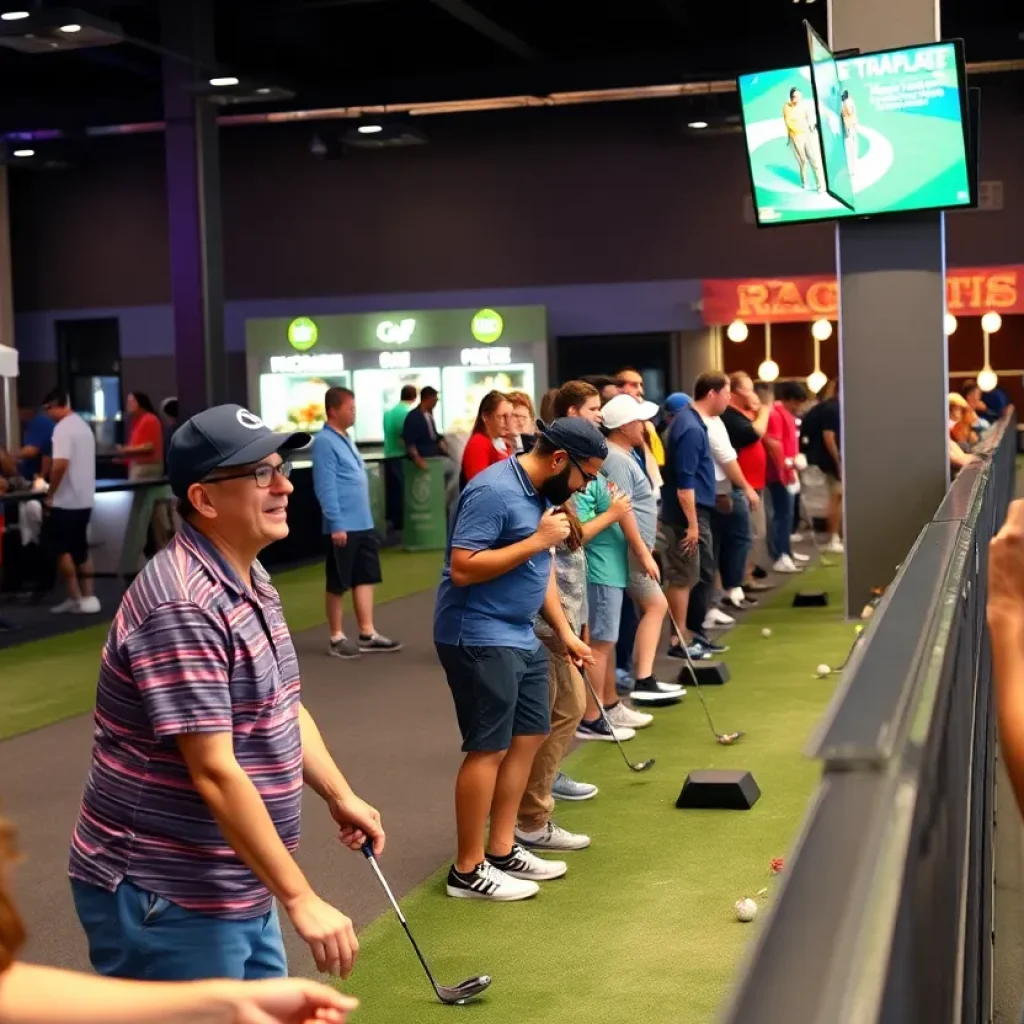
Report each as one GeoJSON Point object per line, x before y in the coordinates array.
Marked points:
{"type": "Point", "coordinates": [398, 330]}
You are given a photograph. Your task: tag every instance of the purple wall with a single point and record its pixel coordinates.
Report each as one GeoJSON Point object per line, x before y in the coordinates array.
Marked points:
{"type": "Point", "coordinates": [508, 204]}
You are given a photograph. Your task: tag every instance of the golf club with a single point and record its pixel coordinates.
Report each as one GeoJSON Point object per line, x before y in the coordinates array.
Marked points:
{"type": "Point", "coordinates": [640, 766]}
{"type": "Point", "coordinates": [454, 995]}
{"type": "Point", "coordinates": [725, 739]}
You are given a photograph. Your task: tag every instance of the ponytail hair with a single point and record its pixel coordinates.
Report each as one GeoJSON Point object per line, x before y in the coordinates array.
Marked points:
{"type": "Point", "coordinates": [12, 931]}
{"type": "Point", "coordinates": [575, 539]}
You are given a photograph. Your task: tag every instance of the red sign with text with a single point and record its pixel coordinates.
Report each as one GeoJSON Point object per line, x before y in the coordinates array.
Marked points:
{"type": "Point", "coordinates": [969, 292]}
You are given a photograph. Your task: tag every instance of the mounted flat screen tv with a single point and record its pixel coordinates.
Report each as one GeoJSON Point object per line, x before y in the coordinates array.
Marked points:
{"type": "Point", "coordinates": [902, 118]}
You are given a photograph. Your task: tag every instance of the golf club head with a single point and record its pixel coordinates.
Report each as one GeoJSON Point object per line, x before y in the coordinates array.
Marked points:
{"type": "Point", "coordinates": [642, 766]}
{"type": "Point", "coordinates": [727, 739]}
{"type": "Point", "coordinates": [457, 995]}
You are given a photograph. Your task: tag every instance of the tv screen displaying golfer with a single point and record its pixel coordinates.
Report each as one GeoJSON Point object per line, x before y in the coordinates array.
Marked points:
{"type": "Point", "coordinates": [902, 118]}
{"type": "Point", "coordinates": [828, 106]}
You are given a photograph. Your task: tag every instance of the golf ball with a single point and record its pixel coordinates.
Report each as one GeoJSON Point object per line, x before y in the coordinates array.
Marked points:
{"type": "Point", "coordinates": [766, 632]}
{"type": "Point", "coordinates": [824, 670]}
{"type": "Point", "coordinates": [858, 629]}
{"type": "Point", "coordinates": [746, 910]}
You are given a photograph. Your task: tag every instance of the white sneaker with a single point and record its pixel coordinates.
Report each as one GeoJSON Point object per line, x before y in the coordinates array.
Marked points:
{"type": "Point", "coordinates": [486, 882]}
{"type": "Point", "coordinates": [785, 564]}
{"type": "Point", "coordinates": [88, 606]}
{"type": "Point", "coordinates": [623, 717]}
{"type": "Point", "coordinates": [70, 605]}
{"type": "Point", "coordinates": [736, 597]}
{"type": "Point", "coordinates": [796, 538]}
{"type": "Point", "coordinates": [835, 546]}
{"type": "Point", "coordinates": [801, 558]}
{"type": "Point", "coordinates": [716, 617]}
{"type": "Point", "coordinates": [520, 863]}
{"type": "Point", "coordinates": [552, 837]}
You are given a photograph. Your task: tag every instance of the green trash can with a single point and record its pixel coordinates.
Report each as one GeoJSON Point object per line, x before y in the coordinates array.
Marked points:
{"type": "Point", "coordinates": [375, 482]}
{"type": "Point", "coordinates": [424, 526]}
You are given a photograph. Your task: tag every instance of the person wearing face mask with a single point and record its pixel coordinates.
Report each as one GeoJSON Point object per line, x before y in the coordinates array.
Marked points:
{"type": "Point", "coordinates": [202, 744]}
{"type": "Point", "coordinates": [498, 575]}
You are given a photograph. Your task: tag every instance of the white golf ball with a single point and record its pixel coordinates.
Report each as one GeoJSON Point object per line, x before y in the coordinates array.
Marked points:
{"type": "Point", "coordinates": [766, 632]}
{"type": "Point", "coordinates": [746, 910]}
{"type": "Point", "coordinates": [824, 670]}
{"type": "Point", "coordinates": [858, 629]}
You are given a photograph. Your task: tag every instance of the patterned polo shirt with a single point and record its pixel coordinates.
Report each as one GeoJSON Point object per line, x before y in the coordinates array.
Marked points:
{"type": "Point", "coordinates": [191, 650]}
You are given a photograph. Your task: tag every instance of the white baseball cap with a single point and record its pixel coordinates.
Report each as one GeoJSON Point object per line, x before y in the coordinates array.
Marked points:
{"type": "Point", "coordinates": [624, 409]}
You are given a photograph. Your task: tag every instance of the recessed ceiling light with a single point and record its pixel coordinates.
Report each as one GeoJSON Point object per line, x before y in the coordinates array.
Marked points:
{"type": "Point", "coordinates": [697, 124]}
{"type": "Point", "coordinates": [71, 29]}
{"type": "Point", "coordinates": [14, 16]}
{"type": "Point", "coordinates": [228, 80]}
{"type": "Point", "coordinates": [370, 129]}
{"type": "Point", "coordinates": [24, 152]}
{"type": "Point", "coordinates": [263, 92]}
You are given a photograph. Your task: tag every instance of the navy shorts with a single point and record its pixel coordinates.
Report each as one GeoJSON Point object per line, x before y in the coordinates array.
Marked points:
{"type": "Point", "coordinates": [499, 692]}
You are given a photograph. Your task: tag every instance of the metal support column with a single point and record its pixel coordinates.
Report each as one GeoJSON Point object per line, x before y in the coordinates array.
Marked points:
{"type": "Point", "coordinates": [193, 205]}
{"type": "Point", "coordinates": [892, 302]}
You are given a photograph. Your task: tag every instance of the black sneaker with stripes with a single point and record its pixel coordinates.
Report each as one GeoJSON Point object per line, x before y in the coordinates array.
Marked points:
{"type": "Point", "coordinates": [486, 882]}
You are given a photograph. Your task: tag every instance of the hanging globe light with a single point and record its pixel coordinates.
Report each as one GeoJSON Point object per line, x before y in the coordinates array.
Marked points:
{"type": "Point", "coordinates": [737, 331]}
{"type": "Point", "coordinates": [821, 330]}
{"type": "Point", "coordinates": [950, 324]}
{"type": "Point", "coordinates": [768, 371]}
{"type": "Point", "coordinates": [816, 381]}
{"type": "Point", "coordinates": [987, 379]}
{"type": "Point", "coordinates": [991, 322]}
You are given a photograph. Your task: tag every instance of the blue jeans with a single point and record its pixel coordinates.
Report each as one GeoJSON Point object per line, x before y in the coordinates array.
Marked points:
{"type": "Point", "coordinates": [733, 540]}
{"type": "Point", "coordinates": [780, 524]}
{"type": "Point", "coordinates": [136, 934]}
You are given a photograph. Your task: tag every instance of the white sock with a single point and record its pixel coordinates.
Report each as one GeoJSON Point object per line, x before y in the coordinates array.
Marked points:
{"type": "Point", "coordinates": [335, 637]}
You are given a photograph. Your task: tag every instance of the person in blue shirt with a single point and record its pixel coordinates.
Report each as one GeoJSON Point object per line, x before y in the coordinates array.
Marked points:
{"type": "Point", "coordinates": [498, 575]}
{"type": "Point", "coordinates": [687, 501]}
{"type": "Point", "coordinates": [36, 447]}
{"type": "Point", "coordinates": [353, 548]}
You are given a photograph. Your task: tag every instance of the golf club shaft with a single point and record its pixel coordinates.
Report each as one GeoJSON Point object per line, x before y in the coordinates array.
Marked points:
{"type": "Point", "coordinates": [398, 910]}
{"type": "Point", "coordinates": [693, 672]}
{"type": "Point", "coordinates": [604, 715]}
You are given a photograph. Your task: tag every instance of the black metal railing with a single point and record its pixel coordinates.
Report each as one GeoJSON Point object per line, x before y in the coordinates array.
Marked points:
{"type": "Point", "coordinates": [884, 915]}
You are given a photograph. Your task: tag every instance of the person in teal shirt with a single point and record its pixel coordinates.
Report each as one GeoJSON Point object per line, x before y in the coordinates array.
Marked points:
{"type": "Point", "coordinates": [394, 455]}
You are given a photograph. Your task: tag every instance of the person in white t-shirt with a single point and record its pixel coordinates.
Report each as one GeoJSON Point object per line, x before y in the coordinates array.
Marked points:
{"type": "Point", "coordinates": [70, 501]}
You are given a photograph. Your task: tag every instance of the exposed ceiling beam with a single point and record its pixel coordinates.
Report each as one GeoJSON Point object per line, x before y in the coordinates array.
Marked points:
{"type": "Point", "coordinates": [470, 16]}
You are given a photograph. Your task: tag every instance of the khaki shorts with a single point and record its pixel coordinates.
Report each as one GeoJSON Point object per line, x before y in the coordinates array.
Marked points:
{"type": "Point", "coordinates": [679, 569]}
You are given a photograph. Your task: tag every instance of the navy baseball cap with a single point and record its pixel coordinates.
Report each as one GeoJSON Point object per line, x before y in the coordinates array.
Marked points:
{"type": "Point", "coordinates": [217, 438]}
{"type": "Point", "coordinates": [576, 436]}
{"type": "Point", "coordinates": [676, 401]}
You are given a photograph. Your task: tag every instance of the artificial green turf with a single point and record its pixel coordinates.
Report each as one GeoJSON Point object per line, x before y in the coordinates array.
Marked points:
{"type": "Point", "coordinates": [642, 929]}
{"type": "Point", "coordinates": [45, 681]}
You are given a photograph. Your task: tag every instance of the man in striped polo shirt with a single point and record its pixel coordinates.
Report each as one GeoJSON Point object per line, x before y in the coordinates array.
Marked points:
{"type": "Point", "coordinates": [191, 811]}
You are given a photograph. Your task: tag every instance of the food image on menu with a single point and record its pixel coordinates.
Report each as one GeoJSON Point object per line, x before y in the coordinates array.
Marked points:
{"type": "Point", "coordinates": [294, 401]}
{"type": "Point", "coordinates": [462, 390]}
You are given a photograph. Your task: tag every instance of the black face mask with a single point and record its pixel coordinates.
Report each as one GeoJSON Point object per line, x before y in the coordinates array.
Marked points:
{"type": "Point", "coordinates": [557, 489]}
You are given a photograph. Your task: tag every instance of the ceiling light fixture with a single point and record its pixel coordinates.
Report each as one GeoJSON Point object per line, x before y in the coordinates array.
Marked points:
{"type": "Point", "coordinates": [370, 129]}
{"type": "Point", "coordinates": [224, 82]}
{"type": "Point", "coordinates": [697, 124]}
{"type": "Point", "coordinates": [71, 29]}
{"type": "Point", "coordinates": [24, 152]}
{"type": "Point", "coordinates": [14, 16]}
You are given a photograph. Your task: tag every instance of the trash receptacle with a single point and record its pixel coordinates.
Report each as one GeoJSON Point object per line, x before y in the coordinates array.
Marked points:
{"type": "Point", "coordinates": [425, 525]}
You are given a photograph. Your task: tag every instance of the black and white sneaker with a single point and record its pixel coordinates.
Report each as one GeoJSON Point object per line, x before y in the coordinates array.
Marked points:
{"type": "Point", "coordinates": [522, 864]}
{"type": "Point", "coordinates": [376, 642]}
{"type": "Point", "coordinates": [709, 646]}
{"type": "Point", "coordinates": [486, 882]}
{"type": "Point", "coordinates": [654, 685]}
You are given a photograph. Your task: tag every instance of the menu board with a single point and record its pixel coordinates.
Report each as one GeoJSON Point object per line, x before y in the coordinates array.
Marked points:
{"type": "Point", "coordinates": [379, 390]}
{"type": "Point", "coordinates": [296, 401]}
{"type": "Point", "coordinates": [462, 388]}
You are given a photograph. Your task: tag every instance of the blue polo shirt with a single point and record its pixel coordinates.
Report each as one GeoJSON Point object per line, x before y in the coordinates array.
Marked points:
{"type": "Point", "coordinates": [38, 434]}
{"type": "Point", "coordinates": [340, 482]}
{"type": "Point", "coordinates": [688, 465]}
{"type": "Point", "coordinates": [498, 507]}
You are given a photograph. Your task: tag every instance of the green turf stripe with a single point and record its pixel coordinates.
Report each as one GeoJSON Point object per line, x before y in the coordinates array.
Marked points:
{"type": "Point", "coordinates": [642, 929]}
{"type": "Point", "coordinates": [46, 681]}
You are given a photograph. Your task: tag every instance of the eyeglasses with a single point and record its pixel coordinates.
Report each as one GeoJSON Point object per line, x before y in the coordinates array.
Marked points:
{"type": "Point", "coordinates": [588, 477]}
{"type": "Point", "coordinates": [263, 474]}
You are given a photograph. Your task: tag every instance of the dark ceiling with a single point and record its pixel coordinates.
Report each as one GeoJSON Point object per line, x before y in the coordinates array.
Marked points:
{"type": "Point", "coordinates": [345, 52]}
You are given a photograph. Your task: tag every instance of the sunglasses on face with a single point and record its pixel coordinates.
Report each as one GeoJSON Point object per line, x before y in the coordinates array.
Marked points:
{"type": "Point", "coordinates": [263, 474]}
{"type": "Point", "coordinates": [588, 477]}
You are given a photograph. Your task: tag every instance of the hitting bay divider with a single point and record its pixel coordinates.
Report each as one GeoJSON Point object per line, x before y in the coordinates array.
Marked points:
{"type": "Point", "coordinates": [643, 928]}
{"type": "Point", "coordinates": [46, 681]}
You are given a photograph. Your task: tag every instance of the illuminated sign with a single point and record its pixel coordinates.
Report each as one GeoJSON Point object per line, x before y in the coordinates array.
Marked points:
{"type": "Point", "coordinates": [487, 326]}
{"type": "Point", "coordinates": [395, 360]}
{"type": "Point", "coordinates": [302, 333]}
{"type": "Point", "coordinates": [486, 356]}
{"type": "Point", "coordinates": [970, 291]}
{"type": "Point", "coordinates": [329, 362]}
{"type": "Point", "coordinates": [395, 334]}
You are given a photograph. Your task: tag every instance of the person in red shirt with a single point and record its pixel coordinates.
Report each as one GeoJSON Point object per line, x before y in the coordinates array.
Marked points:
{"type": "Point", "coordinates": [487, 444]}
{"type": "Point", "coordinates": [746, 420]}
{"type": "Point", "coordinates": [783, 446]}
{"type": "Point", "coordinates": [144, 451]}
